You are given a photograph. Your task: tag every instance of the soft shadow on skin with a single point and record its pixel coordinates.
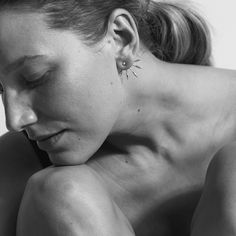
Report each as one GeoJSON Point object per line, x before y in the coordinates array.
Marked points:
{"type": "Point", "coordinates": [127, 140]}
{"type": "Point", "coordinates": [173, 217]}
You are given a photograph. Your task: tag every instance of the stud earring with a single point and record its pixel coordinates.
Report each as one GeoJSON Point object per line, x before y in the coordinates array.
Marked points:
{"type": "Point", "coordinates": [124, 64]}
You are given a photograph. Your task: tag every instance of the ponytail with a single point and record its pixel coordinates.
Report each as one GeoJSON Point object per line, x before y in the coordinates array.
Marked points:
{"type": "Point", "coordinates": [177, 34]}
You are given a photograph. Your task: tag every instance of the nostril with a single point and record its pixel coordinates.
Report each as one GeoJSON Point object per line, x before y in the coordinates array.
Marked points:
{"type": "Point", "coordinates": [13, 122]}
{"type": "Point", "coordinates": [28, 118]}
{"type": "Point", "coordinates": [17, 120]}
{"type": "Point", "coordinates": [12, 126]}
{"type": "Point", "coordinates": [18, 110]}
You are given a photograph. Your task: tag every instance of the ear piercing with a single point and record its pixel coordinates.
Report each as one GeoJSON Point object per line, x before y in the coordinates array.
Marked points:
{"type": "Point", "coordinates": [124, 65]}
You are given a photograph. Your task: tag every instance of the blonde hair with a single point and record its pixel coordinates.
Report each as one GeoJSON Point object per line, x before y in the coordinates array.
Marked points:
{"type": "Point", "coordinates": [173, 32]}
{"type": "Point", "coordinates": [177, 33]}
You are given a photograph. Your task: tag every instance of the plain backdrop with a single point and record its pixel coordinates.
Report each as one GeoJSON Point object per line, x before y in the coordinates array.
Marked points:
{"type": "Point", "coordinates": [221, 18]}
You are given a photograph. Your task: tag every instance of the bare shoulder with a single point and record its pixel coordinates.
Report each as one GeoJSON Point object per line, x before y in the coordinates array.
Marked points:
{"type": "Point", "coordinates": [12, 138]}
{"type": "Point", "coordinates": [17, 163]}
{"type": "Point", "coordinates": [216, 211]}
{"type": "Point", "coordinates": [15, 150]}
{"type": "Point", "coordinates": [222, 168]}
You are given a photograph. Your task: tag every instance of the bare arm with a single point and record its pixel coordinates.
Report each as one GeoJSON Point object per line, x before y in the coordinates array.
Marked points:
{"type": "Point", "coordinates": [216, 212]}
{"type": "Point", "coordinates": [69, 200]}
{"type": "Point", "coordinates": [17, 163]}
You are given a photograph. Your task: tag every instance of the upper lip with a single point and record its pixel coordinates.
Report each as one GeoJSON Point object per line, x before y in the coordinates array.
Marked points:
{"type": "Point", "coordinates": [44, 137]}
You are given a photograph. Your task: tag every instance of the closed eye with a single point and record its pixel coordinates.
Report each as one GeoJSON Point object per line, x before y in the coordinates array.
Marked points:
{"type": "Point", "coordinates": [1, 89]}
{"type": "Point", "coordinates": [36, 79]}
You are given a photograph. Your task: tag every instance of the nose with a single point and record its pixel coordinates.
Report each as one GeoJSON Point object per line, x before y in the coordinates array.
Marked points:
{"type": "Point", "coordinates": [18, 114]}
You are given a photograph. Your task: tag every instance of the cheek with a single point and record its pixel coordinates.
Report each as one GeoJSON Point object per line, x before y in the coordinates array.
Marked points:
{"type": "Point", "coordinates": [86, 105]}
{"type": "Point", "coordinates": [85, 97]}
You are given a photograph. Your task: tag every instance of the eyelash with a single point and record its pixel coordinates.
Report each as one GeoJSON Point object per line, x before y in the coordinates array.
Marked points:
{"type": "Point", "coordinates": [1, 90]}
{"type": "Point", "coordinates": [32, 83]}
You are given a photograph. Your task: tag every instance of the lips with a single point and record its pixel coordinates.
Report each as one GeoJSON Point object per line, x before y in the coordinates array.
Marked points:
{"type": "Point", "coordinates": [43, 138]}
{"type": "Point", "coordinates": [47, 138]}
{"type": "Point", "coordinates": [40, 138]}
{"type": "Point", "coordinates": [49, 142]}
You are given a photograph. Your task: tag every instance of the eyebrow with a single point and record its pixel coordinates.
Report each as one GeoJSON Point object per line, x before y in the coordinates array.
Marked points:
{"type": "Point", "coordinates": [20, 62]}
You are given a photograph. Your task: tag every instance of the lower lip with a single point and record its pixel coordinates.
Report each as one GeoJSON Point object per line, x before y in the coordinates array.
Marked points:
{"type": "Point", "coordinates": [52, 142]}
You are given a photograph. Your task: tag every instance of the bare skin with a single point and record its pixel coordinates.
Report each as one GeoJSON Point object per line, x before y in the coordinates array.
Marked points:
{"type": "Point", "coordinates": [215, 214]}
{"type": "Point", "coordinates": [16, 169]}
{"type": "Point", "coordinates": [165, 128]}
{"type": "Point", "coordinates": [165, 182]}
{"type": "Point", "coordinates": [118, 169]}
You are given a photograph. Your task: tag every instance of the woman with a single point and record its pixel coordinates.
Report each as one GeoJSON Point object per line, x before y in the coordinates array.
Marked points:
{"type": "Point", "coordinates": [128, 135]}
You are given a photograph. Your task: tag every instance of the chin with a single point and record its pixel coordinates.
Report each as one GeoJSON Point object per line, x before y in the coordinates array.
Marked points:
{"type": "Point", "coordinates": [67, 158]}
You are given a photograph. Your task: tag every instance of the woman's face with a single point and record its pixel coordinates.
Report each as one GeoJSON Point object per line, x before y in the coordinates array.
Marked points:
{"type": "Point", "coordinates": [65, 95]}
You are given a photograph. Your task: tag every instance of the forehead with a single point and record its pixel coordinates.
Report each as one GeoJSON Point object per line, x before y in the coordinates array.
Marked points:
{"type": "Point", "coordinates": [19, 32]}
{"type": "Point", "coordinates": [27, 34]}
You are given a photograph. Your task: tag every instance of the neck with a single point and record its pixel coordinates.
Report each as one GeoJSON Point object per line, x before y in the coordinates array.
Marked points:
{"type": "Point", "coordinates": [150, 99]}
{"type": "Point", "coordinates": [164, 98]}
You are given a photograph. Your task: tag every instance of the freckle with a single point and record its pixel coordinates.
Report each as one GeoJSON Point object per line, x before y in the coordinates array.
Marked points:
{"type": "Point", "coordinates": [111, 83]}
{"type": "Point", "coordinates": [126, 161]}
{"type": "Point", "coordinates": [139, 110]}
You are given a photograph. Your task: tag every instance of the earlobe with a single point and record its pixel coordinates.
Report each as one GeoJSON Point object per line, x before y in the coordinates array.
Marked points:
{"type": "Point", "coordinates": [123, 30]}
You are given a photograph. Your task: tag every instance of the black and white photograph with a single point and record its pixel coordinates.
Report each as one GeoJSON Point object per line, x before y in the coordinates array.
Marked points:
{"type": "Point", "coordinates": [117, 118]}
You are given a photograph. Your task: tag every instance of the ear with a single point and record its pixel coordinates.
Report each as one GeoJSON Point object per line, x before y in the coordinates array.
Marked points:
{"type": "Point", "coordinates": [123, 30]}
